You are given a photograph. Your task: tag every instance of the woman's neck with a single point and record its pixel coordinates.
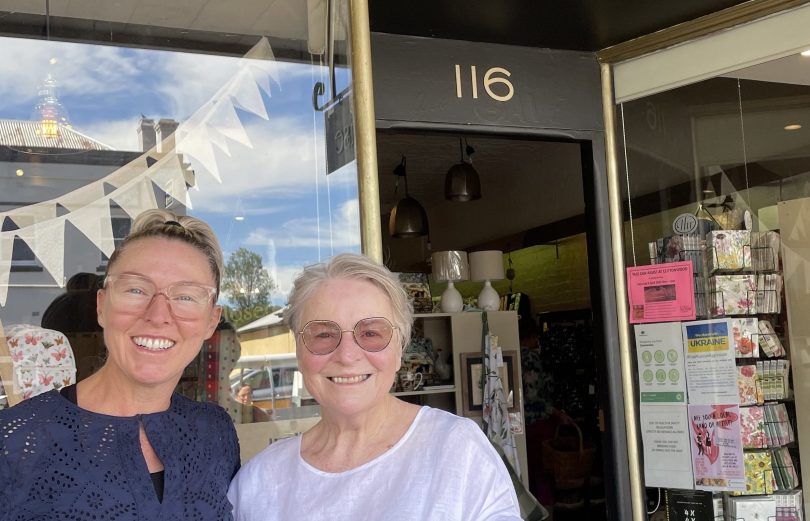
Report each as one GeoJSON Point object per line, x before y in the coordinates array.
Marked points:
{"type": "Point", "coordinates": [107, 393]}
{"type": "Point", "coordinates": [338, 443]}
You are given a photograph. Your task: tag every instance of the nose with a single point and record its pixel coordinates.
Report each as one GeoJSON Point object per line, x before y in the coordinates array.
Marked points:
{"type": "Point", "coordinates": [348, 349]}
{"type": "Point", "coordinates": [158, 310]}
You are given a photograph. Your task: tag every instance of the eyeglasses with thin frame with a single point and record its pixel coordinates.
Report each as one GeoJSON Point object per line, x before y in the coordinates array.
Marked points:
{"type": "Point", "coordinates": [130, 293]}
{"type": "Point", "coordinates": [372, 334]}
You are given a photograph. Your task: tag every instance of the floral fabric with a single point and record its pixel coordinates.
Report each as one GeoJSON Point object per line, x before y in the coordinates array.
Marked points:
{"type": "Point", "coordinates": [495, 412]}
{"type": "Point", "coordinates": [42, 360]}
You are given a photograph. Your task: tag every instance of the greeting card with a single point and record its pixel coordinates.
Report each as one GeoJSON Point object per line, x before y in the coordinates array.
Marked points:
{"type": "Point", "coordinates": [752, 427]}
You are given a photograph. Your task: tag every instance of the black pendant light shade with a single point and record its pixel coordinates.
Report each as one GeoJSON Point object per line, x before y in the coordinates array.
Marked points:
{"type": "Point", "coordinates": [462, 182]}
{"type": "Point", "coordinates": [408, 218]}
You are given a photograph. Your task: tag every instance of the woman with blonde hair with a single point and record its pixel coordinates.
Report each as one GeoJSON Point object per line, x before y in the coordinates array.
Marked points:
{"type": "Point", "coordinates": [120, 444]}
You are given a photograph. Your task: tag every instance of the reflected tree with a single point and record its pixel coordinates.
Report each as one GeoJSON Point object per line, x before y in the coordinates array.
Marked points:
{"type": "Point", "coordinates": [247, 285]}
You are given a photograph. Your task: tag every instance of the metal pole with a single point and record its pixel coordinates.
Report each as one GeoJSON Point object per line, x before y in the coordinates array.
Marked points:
{"type": "Point", "coordinates": [625, 351]}
{"type": "Point", "coordinates": [365, 131]}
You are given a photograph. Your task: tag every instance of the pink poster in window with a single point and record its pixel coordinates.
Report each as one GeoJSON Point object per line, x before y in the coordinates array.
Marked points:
{"type": "Point", "coordinates": [717, 452]}
{"type": "Point", "coordinates": [661, 292]}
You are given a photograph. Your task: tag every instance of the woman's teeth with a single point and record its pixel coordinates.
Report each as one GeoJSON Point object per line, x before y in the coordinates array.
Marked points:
{"type": "Point", "coordinates": [349, 379]}
{"type": "Point", "coordinates": [153, 344]}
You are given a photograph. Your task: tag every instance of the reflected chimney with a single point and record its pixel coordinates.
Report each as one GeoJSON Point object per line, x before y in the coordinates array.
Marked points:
{"type": "Point", "coordinates": [163, 129]}
{"type": "Point", "coordinates": [146, 133]}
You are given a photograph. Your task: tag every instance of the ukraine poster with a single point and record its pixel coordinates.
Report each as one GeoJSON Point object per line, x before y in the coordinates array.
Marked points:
{"type": "Point", "coordinates": [711, 374]}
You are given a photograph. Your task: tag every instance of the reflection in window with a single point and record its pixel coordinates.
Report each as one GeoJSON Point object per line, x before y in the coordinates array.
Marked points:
{"type": "Point", "coordinates": [232, 139]}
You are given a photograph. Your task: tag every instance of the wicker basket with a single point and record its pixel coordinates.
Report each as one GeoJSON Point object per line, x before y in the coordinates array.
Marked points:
{"type": "Point", "coordinates": [568, 459]}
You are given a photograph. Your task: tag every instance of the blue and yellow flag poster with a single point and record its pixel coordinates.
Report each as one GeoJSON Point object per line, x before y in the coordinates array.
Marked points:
{"type": "Point", "coordinates": [711, 374]}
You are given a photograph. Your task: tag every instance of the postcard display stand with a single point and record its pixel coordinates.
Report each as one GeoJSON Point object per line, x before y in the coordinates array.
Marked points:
{"type": "Point", "coordinates": [741, 330]}
{"type": "Point", "coordinates": [458, 335]}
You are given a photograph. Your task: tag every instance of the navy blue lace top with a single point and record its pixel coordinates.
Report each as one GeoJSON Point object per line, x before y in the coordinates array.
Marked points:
{"type": "Point", "coordinates": [58, 461]}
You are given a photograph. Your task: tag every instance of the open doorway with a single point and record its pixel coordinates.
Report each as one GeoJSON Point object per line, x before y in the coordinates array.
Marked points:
{"type": "Point", "coordinates": [534, 208]}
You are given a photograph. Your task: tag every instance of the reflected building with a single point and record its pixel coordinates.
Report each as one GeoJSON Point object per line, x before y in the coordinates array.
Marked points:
{"type": "Point", "coordinates": [46, 158]}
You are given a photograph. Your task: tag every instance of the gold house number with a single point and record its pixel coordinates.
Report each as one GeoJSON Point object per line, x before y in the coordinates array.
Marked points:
{"type": "Point", "coordinates": [488, 81]}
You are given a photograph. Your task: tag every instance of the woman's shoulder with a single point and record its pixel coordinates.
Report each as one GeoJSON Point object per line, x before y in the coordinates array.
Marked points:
{"type": "Point", "coordinates": [199, 410]}
{"type": "Point", "coordinates": [438, 420]}
{"type": "Point", "coordinates": [39, 406]}
{"type": "Point", "coordinates": [435, 426]}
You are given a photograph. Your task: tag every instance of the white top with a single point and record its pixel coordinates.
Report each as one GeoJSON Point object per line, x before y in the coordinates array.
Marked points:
{"type": "Point", "coordinates": [442, 469]}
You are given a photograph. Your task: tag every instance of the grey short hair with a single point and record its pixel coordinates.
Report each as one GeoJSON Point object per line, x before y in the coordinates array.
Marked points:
{"type": "Point", "coordinates": [353, 267]}
{"type": "Point", "coordinates": [165, 224]}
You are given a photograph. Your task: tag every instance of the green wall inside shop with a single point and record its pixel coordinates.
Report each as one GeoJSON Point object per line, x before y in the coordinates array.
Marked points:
{"type": "Point", "coordinates": [554, 276]}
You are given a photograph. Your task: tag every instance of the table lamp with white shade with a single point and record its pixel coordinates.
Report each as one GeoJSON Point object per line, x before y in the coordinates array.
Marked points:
{"type": "Point", "coordinates": [486, 266]}
{"type": "Point", "coordinates": [450, 267]}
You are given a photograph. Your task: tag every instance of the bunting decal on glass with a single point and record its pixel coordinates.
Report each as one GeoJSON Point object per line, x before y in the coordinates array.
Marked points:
{"type": "Point", "coordinates": [6, 248]}
{"type": "Point", "coordinates": [213, 124]}
{"type": "Point", "coordinates": [47, 241]}
{"type": "Point", "coordinates": [95, 222]}
{"type": "Point", "coordinates": [217, 121]}
{"type": "Point", "coordinates": [135, 197]}
{"type": "Point", "coordinates": [169, 174]}
{"type": "Point", "coordinates": [82, 197]}
{"type": "Point", "coordinates": [32, 214]}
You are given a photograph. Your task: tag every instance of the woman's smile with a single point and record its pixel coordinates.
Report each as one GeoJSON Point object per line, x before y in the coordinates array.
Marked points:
{"type": "Point", "coordinates": [343, 380]}
{"type": "Point", "coordinates": [152, 343]}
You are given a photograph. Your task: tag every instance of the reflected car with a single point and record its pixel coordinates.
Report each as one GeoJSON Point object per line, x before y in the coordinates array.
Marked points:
{"type": "Point", "coordinates": [271, 379]}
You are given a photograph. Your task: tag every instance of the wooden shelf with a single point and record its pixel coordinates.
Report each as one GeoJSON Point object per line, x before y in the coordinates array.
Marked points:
{"type": "Point", "coordinates": [427, 391]}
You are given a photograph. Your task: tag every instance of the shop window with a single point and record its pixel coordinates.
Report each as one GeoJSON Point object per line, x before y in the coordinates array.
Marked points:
{"type": "Point", "coordinates": [717, 174]}
{"type": "Point", "coordinates": [213, 125]}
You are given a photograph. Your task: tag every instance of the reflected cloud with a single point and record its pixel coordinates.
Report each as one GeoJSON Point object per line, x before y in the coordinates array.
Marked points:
{"type": "Point", "coordinates": [120, 134]}
{"type": "Point", "coordinates": [283, 276]}
{"type": "Point", "coordinates": [287, 161]}
{"type": "Point", "coordinates": [343, 233]}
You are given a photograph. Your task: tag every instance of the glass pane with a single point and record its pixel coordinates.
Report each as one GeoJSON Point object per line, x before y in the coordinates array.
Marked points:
{"type": "Point", "coordinates": [734, 152]}
{"type": "Point", "coordinates": [241, 120]}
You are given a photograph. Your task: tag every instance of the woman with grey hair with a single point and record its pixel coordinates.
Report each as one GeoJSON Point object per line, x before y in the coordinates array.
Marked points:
{"type": "Point", "coordinates": [371, 456]}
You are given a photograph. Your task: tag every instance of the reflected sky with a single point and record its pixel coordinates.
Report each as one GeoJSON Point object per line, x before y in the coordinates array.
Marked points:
{"type": "Point", "coordinates": [289, 211]}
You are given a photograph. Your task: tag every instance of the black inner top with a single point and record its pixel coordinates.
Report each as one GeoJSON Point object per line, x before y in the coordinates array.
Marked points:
{"type": "Point", "coordinates": [69, 392]}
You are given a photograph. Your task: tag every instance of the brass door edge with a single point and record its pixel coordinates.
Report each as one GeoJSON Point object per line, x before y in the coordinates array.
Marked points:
{"type": "Point", "coordinates": [683, 32]}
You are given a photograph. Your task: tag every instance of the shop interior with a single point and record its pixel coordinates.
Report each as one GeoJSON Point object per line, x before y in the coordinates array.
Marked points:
{"type": "Point", "coordinates": [532, 208]}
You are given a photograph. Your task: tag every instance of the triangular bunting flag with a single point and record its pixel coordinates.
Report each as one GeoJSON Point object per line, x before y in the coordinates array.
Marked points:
{"type": "Point", "coordinates": [261, 51]}
{"type": "Point", "coordinates": [32, 214]}
{"type": "Point", "coordinates": [6, 248]}
{"type": "Point", "coordinates": [168, 175]}
{"type": "Point", "coordinates": [83, 196]}
{"type": "Point", "coordinates": [194, 143]}
{"type": "Point", "coordinates": [136, 197]}
{"type": "Point", "coordinates": [247, 96]}
{"type": "Point", "coordinates": [260, 58]}
{"type": "Point", "coordinates": [128, 172]}
{"type": "Point", "coordinates": [95, 223]}
{"type": "Point", "coordinates": [225, 121]}
{"type": "Point", "coordinates": [47, 241]}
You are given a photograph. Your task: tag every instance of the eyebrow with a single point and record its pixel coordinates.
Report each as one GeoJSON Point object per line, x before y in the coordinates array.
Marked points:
{"type": "Point", "coordinates": [141, 275]}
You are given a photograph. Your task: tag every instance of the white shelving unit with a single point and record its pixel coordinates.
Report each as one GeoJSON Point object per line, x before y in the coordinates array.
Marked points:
{"type": "Point", "coordinates": [459, 333]}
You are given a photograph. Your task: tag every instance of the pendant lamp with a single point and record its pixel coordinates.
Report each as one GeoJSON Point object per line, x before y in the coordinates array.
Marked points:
{"type": "Point", "coordinates": [408, 218]}
{"type": "Point", "coordinates": [461, 182]}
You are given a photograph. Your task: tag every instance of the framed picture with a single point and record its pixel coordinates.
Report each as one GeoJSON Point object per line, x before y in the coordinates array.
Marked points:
{"type": "Point", "coordinates": [472, 395]}
{"type": "Point", "coordinates": [416, 285]}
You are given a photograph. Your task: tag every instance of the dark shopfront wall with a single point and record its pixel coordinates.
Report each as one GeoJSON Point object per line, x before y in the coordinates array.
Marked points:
{"type": "Point", "coordinates": [468, 87]}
